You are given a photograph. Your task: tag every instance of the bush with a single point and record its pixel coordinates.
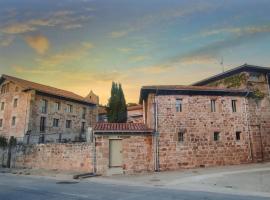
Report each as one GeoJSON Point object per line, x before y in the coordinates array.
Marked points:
{"type": "Point", "coordinates": [3, 142]}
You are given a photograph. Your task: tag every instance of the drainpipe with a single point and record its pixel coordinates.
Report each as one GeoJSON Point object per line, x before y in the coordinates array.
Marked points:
{"type": "Point", "coordinates": [93, 138]}
{"type": "Point", "coordinates": [156, 136]}
{"type": "Point", "coordinates": [248, 125]}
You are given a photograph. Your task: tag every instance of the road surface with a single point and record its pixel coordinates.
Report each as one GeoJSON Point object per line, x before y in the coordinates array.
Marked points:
{"type": "Point", "coordinates": [27, 188]}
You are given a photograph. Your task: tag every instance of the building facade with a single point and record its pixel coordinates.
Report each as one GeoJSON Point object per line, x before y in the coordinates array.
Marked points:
{"type": "Point", "coordinates": [135, 114]}
{"type": "Point", "coordinates": [35, 113]}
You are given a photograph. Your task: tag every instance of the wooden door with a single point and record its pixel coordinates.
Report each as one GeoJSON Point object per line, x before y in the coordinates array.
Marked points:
{"type": "Point", "coordinates": [115, 159]}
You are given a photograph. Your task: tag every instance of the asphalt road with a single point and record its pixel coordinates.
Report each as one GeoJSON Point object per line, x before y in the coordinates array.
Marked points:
{"type": "Point", "coordinates": [27, 188]}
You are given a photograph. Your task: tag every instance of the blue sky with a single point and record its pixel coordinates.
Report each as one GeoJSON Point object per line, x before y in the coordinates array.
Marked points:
{"type": "Point", "coordinates": [81, 45]}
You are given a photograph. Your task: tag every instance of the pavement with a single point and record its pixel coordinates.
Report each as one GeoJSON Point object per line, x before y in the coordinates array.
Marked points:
{"type": "Point", "coordinates": [231, 182]}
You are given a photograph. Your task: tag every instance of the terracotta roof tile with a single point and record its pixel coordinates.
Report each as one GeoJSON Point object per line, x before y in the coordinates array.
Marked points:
{"type": "Point", "coordinates": [28, 85]}
{"type": "Point", "coordinates": [122, 127]}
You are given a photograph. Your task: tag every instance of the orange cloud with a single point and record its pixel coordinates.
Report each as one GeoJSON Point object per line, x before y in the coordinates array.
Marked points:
{"type": "Point", "coordinates": [38, 42]}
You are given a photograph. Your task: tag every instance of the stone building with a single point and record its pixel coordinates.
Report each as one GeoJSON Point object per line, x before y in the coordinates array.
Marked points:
{"type": "Point", "coordinates": [256, 80]}
{"type": "Point", "coordinates": [38, 113]}
{"type": "Point", "coordinates": [221, 120]}
{"type": "Point", "coordinates": [135, 114]}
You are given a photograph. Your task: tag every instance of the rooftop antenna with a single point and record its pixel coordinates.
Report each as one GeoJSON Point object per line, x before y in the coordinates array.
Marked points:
{"type": "Point", "coordinates": [221, 63]}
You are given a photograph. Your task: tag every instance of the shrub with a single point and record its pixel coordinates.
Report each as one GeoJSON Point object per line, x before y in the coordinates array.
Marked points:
{"type": "Point", "coordinates": [3, 142]}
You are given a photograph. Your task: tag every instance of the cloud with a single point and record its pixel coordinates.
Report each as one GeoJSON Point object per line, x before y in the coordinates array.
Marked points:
{"type": "Point", "coordinates": [125, 50]}
{"type": "Point", "coordinates": [38, 42]}
{"type": "Point", "coordinates": [164, 15]}
{"type": "Point", "coordinates": [118, 34]}
{"type": "Point", "coordinates": [67, 56]}
{"type": "Point", "coordinates": [64, 19]}
{"type": "Point", "coordinates": [155, 69]}
{"type": "Point", "coordinates": [6, 40]}
{"type": "Point", "coordinates": [138, 58]}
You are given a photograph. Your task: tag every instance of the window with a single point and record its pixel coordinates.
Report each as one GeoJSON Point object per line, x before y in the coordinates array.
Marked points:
{"type": "Point", "coordinates": [2, 105]}
{"type": "Point", "coordinates": [17, 89]}
{"type": "Point", "coordinates": [55, 122]}
{"type": "Point", "coordinates": [216, 136]}
{"type": "Point", "coordinates": [5, 88]}
{"type": "Point", "coordinates": [238, 135]}
{"type": "Point", "coordinates": [213, 105]}
{"type": "Point", "coordinates": [234, 105]}
{"type": "Point", "coordinates": [178, 105]}
{"type": "Point", "coordinates": [44, 105]}
{"type": "Point", "coordinates": [15, 103]}
{"type": "Point", "coordinates": [57, 106]}
{"type": "Point", "coordinates": [68, 124]}
{"type": "Point", "coordinates": [83, 127]}
{"type": "Point", "coordinates": [42, 124]}
{"type": "Point", "coordinates": [1, 123]}
{"type": "Point", "coordinates": [13, 123]}
{"type": "Point", "coordinates": [84, 113]}
{"type": "Point", "coordinates": [69, 108]}
{"type": "Point", "coordinates": [181, 136]}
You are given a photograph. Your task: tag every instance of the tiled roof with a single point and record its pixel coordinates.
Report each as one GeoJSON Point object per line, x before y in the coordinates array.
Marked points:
{"type": "Point", "coordinates": [188, 90]}
{"type": "Point", "coordinates": [28, 85]}
{"type": "Point", "coordinates": [191, 88]}
{"type": "Point", "coordinates": [236, 70]}
{"type": "Point", "coordinates": [121, 127]}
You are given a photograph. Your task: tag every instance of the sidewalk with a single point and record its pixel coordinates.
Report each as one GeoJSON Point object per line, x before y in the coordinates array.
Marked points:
{"type": "Point", "coordinates": [251, 179]}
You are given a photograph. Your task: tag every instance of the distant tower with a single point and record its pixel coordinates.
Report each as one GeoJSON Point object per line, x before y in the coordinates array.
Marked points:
{"type": "Point", "coordinates": [92, 97]}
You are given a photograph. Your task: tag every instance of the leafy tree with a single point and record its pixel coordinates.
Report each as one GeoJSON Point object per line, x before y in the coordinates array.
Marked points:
{"type": "Point", "coordinates": [117, 109]}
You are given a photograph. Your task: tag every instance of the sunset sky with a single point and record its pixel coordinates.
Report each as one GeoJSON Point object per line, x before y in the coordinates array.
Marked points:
{"type": "Point", "coordinates": [83, 45]}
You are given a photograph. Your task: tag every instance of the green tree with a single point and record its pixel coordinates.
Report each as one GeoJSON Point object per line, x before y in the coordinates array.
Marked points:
{"type": "Point", "coordinates": [117, 110]}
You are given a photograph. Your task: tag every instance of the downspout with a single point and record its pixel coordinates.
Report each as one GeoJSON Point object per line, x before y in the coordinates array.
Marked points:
{"type": "Point", "coordinates": [156, 135]}
{"type": "Point", "coordinates": [93, 138]}
{"type": "Point", "coordinates": [248, 125]}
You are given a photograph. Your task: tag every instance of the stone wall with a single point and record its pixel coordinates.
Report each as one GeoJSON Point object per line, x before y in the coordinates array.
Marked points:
{"type": "Point", "coordinates": [258, 109]}
{"type": "Point", "coordinates": [79, 157]}
{"type": "Point", "coordinates": [21, 111]}
{"type": "Point", "coordinates": [64, 157]}
{"type": "Point", "coordinates": [52, 133]}
{"type": "Point", "coordinates": [199, 124]}
{"type": "Point", "coordinates": [137, 153]}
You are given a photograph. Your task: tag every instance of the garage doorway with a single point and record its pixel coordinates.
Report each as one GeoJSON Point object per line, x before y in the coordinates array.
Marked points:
{"type": "Point", "coordinates": [116, 159]}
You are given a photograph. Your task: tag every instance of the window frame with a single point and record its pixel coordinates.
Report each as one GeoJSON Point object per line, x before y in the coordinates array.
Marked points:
{"type": "Point", "coordinates": [68, 123]}
{"type": "Point", "coordinates": [213, 105]}
{"type": "Point", "coordinates": [15, 103]}
{"type": "Point", "coordinates": [1, 122]}
{"type": "Point", "coordinates": [181, 137]}
{"type": "Point", "coordinates": [2, 106]}
{"type": "Point", "coordinates": [69, 108]}
{"type": "Point", "coordinates": [234, 105]}
{"type": "Point", "coordinates": [238, 135]}
{"type": "Point", "coordinates": [55, 122]}
{"type": "Point", "coordinates": [44, 108]}
{"type": "Point", "coordinates": [42, 127]}
{"type": "Point", "coordinates": [13, 121]}
{"type": "Point", "coordinates": [216, 136]}
{"type": "Point", "coordinates": [179, 105]}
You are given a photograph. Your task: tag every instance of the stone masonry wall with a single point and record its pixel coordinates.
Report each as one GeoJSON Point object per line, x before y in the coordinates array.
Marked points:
{"type": "Point", "coordinates": [199, 124]}
{"type": "Point", "coordinates": [64, 157]}
{"type": "Point", "coordinates": [258, 109]}
{"type": "Point", "coordinates": [52, 133]}
{"type": "Point", "coordinates": [137, 153]}
{"type": "Point", "coordinates": [21, 112]}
